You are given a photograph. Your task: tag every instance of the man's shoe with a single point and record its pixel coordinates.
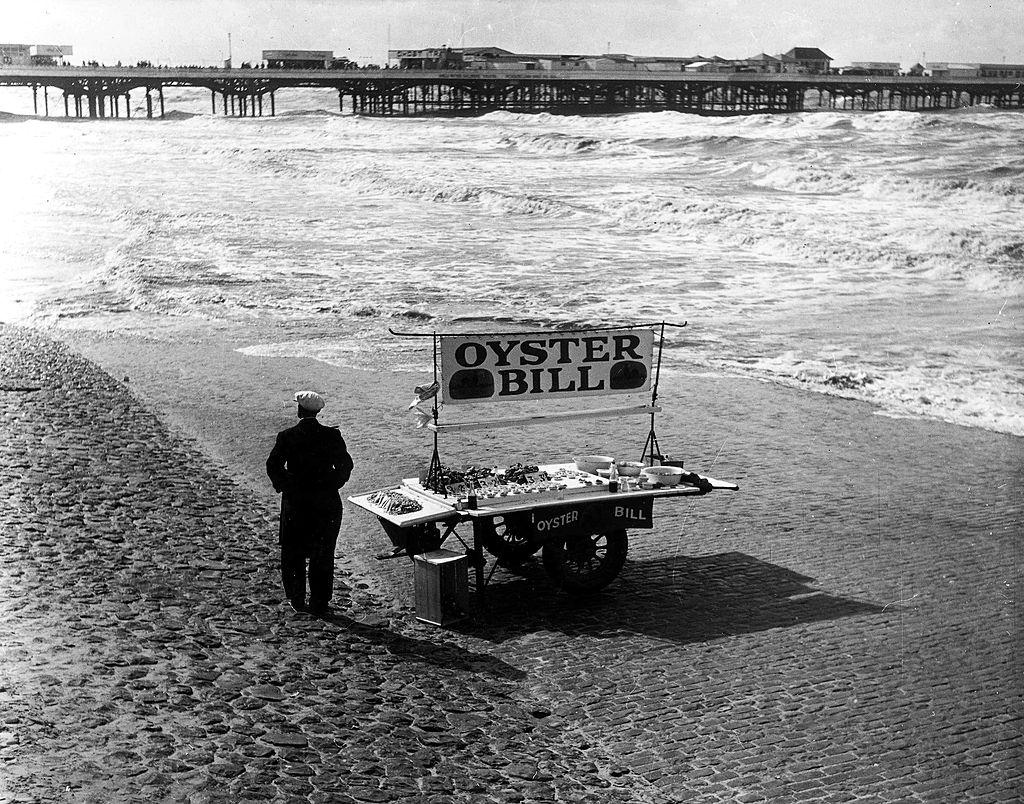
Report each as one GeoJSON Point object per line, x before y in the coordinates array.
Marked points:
{"type": "Point", "coordinates": [323, 611]}
{"type": "Point", "coordinates": [297, 605]}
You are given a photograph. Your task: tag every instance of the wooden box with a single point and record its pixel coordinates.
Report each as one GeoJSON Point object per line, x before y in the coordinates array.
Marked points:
{"type": "Point", "coordinates": [442, 587]}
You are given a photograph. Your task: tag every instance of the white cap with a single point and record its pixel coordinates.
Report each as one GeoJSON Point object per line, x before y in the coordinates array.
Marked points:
{"type": "Point", "coordinates": [310, 400]}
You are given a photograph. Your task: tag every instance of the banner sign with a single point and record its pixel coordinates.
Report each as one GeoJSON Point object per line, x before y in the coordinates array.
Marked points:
{"type": "Point", "coordinates": [591, 517]}
{"type": "Point", "coordinates": [507, 366]}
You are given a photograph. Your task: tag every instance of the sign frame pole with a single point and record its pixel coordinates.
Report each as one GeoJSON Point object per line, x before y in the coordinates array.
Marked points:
{"type": "Point", "coordinates": [435, 476]}
{"type": "Point", "coordinates": [652, 436]}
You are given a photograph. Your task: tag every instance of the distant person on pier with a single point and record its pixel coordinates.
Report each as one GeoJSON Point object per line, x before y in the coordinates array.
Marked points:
{"type": "Point", "coordinates": [308, 464]}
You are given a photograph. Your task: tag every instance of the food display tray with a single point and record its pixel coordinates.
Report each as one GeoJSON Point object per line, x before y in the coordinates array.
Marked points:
{"type": "Point", "coordinates": [565, 483]}
{"type": "Point", "coordinates": [432, 508]}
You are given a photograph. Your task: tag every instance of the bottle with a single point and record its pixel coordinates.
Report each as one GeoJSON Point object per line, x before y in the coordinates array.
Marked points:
{"type": "Point", "coordinates": [471, 499]}
{"type": "Point", "coordinates": [613, 478]}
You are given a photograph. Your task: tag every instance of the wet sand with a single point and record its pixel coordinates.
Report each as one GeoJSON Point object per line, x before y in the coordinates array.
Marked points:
{"type": "Point", "coordinates": [846, 626]}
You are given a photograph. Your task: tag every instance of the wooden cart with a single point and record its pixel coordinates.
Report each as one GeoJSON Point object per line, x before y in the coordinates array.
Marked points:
{"type": "Point", "coordinates": [582, 535]}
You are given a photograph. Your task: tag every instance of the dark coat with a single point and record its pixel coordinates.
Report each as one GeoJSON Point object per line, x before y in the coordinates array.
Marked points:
{"type": "Point", "coordinates": [307, 466]}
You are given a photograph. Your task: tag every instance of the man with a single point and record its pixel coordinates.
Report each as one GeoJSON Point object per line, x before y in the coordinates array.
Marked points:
{"type": "Point", "coordinates": [307, 466]}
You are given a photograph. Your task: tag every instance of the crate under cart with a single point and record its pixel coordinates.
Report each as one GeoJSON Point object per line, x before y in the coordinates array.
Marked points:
{"type": "Point", "coordinates": [442, 587]}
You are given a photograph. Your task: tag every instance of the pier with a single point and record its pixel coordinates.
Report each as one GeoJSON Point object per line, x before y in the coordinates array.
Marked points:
{"type": "Point", "coordinates": [102, 92]}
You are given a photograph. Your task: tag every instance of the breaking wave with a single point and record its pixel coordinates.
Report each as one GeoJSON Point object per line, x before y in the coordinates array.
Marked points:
{"type": "Point", "coordinates": [811, 179]}
{"type": "Point", "coordinates": [562, 144]}
{"type": "Point", "coordinates": [944, 392]}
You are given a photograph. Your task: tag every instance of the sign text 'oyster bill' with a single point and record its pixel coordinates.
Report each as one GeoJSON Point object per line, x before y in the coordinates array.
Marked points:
{"type": "Point", "coordinates": [508, 366]}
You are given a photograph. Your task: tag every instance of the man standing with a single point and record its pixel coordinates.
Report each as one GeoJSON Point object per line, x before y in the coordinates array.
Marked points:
{"type": "Point", "coordinates": [307, 466]}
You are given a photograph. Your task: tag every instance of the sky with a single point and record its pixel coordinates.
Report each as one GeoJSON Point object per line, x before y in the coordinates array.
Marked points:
{"type": "Point", "coordinates": [196, 31]}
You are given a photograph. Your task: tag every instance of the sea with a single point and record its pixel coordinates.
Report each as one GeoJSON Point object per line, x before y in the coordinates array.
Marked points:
{"type": "Point", "coordinates": [877, 256]}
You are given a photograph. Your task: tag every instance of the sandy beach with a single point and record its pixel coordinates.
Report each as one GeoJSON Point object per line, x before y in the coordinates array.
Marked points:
{"type": "Point", "coordinates": [846, 627]}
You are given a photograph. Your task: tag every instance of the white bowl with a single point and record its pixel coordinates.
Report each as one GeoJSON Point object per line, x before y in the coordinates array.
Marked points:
{"type": "Point", "coordinates": [630, 468]}
{"type": "Point", "coordinates": [591, 463]}
{"type": "Point", "coordinates": [662, 475]}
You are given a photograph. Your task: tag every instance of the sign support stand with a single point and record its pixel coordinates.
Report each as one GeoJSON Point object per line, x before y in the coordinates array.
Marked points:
{"type": "Point", "coordinates": [435, 478]}
{"type": "Point", "coordinates": [652, 437]}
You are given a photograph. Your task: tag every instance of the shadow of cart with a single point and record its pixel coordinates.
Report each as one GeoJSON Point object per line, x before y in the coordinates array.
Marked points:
{"type": "Point", "coordinates": [681, 599]}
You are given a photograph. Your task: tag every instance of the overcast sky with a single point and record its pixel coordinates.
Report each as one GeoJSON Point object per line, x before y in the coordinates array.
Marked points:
{"type": "Point", "coordinates": [196, 31]}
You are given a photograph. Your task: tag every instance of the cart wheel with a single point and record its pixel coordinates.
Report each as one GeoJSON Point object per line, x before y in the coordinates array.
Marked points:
{"type": "Point", "coordinates": [505, 539]}
{"type": "Point", "coordinates": [587, 563]}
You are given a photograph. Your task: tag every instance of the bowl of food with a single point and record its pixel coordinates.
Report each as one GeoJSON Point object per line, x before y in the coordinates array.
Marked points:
{"type": "Point", "coordinates": [591, 463]}
{"type": "Point", "coordinates": [662, 475]}
{"type": "Point", "coordinates": [630, 468]}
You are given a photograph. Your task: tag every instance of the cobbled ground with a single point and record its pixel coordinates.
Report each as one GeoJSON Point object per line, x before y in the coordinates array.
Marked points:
{"type": "Point", "coordinates": [145, 655]}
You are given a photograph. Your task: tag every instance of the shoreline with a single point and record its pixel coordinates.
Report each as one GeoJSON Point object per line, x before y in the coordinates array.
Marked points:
{"type": "Point", "coordinates": [766, 644]}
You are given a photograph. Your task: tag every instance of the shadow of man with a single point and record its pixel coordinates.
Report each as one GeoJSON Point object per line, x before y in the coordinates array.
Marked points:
{"type": "Point", "coordinates": [433, 651]}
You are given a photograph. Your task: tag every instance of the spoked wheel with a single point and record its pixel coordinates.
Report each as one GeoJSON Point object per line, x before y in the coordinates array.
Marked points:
{"type": "Point", "coordinates": [505, 538]}
{"type": "Point", "coordinates": [587, 563]}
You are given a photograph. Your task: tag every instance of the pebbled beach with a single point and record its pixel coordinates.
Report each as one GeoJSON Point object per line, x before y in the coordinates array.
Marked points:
{"type": "Point", "coordinates": [844, 628]}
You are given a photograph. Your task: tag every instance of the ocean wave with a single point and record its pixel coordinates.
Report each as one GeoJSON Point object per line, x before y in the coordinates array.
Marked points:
{"type": "Point", "coordinates": [554, 143]}
{"type": "Point", "coordinates": [650, 213]}
{"type": "Point", "coordinates": [984, 259]}
{"type": "Point", "coordinates": [440, 191]}
{"type": "Point", "coordinates": [938, 392]}
{"type": "Point", "coordinates": [160, 263]}
{"type": "Point", "coordinates": [812, 179]}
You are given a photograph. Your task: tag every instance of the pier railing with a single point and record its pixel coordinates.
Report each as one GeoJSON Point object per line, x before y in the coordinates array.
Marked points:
{"type": "Point", "coordinates": [99, 91]}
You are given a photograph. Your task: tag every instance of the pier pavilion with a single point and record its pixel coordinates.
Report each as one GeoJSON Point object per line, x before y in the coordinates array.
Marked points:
{"type": "Point", "coordinates": [98, 92]}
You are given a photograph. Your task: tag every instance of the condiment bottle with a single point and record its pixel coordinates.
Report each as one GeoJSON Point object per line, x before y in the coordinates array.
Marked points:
{"type": "Point", "coordinates": [471, 499]}
{"type": "Point", "coordinates": [613, 478]}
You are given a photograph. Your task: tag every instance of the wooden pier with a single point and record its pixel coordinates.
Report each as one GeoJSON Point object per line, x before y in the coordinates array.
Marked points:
{"type": "Point", "coordinates": [98, 92]}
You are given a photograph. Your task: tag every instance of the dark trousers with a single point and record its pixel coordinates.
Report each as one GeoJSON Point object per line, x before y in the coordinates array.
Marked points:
{"type": "Point", "coordinates": [320, 571]}
{"type": "Point", "coordinates": [309, 537]}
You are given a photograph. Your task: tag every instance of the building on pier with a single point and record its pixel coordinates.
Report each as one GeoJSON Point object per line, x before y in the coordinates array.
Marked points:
{"type": "Point", "coordinates": [664, 64]}
{"type": "Point", "coordinates": [805, 59]}
{"type": "Point", "coordinates": [946, 69]}
{"type": "Point", "coordinates": [710, 66]}
{"type": "Point", "coordinates": [796, 60]}
{"type": "Point", "coordinates": [49, 55]}
{"type": "Point", "coordinates": [1001, 70]}
{"type": "Point", "coordinates": [872, 68]}
{"type": "Point", "coordinates": [564, 62]}
{"type": "Point", "coordinates": [34, 55]}
{"type": "Point", "coordinates": [761, 63]}
{"type": "Point", "coordinates": [15, 54]}
{"type": "Point", "coordinates": [430, 58]}
{"type": "Point", "coordinates": [298, 59]}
